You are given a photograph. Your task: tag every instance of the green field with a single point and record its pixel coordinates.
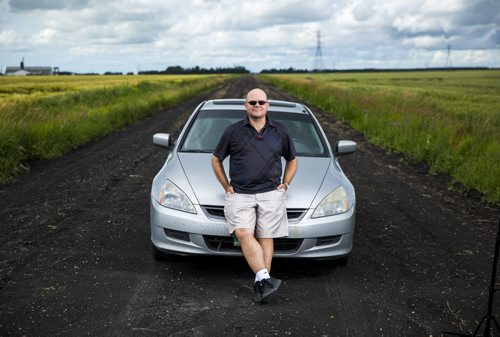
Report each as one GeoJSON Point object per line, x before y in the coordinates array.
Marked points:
{"type": "Point", "coordinates": [46, 116]}
{"type": "Point", "coordinates": [449, 120]}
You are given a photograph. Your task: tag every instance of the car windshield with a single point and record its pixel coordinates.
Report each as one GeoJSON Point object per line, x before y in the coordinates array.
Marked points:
{"type": "Point", "coordinates": [206, 130]}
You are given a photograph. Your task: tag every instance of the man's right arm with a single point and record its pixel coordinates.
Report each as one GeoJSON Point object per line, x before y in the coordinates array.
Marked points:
{"type": "Point", "coordinates": [221, 174]}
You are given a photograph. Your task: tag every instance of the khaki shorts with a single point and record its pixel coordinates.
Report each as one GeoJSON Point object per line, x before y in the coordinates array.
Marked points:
{"type": "Point", "coordinates": [265, 213]}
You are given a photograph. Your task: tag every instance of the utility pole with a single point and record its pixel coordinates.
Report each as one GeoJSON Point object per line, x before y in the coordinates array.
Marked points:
{"type": "Point", "coordinates": [448, 59]}
{"type": "Point", "coordinates": [319, 65]}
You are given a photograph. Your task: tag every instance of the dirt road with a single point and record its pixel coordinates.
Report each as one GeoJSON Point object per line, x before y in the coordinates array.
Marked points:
{"type": "Point", "coordinates": [75, 258]}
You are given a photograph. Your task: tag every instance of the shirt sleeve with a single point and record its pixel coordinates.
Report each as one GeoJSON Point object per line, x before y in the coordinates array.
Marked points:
{"type": "Point", "coordinates": [222, 149]}
{"type": "Point", "coordinates": [288, 147]}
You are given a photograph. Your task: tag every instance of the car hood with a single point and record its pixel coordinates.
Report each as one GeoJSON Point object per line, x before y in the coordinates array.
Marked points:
{"type": "Point", "coordinates": [208, 191]}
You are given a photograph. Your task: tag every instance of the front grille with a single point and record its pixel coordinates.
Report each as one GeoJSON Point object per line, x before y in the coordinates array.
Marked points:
{"type": "Point", "coordinates": [293, 214]}
{"type": "Point", "coordinates": [230, 244]}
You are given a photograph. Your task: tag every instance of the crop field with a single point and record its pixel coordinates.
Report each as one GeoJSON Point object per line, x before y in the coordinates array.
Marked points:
{"type": "Point", "coordinates": [449, 120]}
{"type": "Point", "coordinates": [46, 116]}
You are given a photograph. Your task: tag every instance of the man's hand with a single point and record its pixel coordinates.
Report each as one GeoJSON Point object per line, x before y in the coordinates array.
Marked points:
{"type": "Point", "coordinates": [282, 187]}
{"type": "Point", "coordinates": [290, 169]}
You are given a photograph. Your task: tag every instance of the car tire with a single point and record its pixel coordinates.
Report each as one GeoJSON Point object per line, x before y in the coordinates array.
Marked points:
{"type": "Point", "coordinates": [158, 255]}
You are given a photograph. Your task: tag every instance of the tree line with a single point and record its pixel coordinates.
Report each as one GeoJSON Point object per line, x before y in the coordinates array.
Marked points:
{"type": "Point", "coordinates": [293, 70]}
{"type": "Point", "coordinates": [176, 70]}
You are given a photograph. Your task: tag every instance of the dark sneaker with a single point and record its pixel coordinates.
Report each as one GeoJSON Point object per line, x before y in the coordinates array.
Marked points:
{"type": "Point", "coordinates": [266, 289]}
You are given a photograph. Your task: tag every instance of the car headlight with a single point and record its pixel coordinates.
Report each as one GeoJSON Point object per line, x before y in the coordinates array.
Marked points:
{"type": "Point", "coordinates": [172, 196]}
{"type": "Point", "coordinates": [335, 203]}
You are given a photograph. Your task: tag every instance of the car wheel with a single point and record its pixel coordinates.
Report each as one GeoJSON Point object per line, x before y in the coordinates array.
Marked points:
{"type": "Point", "coordinates": [158, 255]}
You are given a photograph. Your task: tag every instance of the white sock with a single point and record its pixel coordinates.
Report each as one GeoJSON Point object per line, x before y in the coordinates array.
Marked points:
{"type": "Point", "coordinates": [262, 274]}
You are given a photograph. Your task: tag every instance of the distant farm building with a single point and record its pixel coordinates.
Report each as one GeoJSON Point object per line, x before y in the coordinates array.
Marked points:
{"type": "Point", "coordinates": [24, 71]}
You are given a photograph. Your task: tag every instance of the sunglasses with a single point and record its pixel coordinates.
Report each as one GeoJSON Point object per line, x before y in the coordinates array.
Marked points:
{"type": "Point", "coordinates": [252, 103]}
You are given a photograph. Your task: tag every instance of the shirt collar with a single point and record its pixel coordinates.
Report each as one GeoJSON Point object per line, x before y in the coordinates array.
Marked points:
{"type": "Point", "coordinates": [269, 122]}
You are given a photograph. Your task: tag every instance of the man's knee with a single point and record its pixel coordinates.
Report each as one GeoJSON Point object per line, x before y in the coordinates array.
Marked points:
{"type": "Point", "coordinates": [244, 233]}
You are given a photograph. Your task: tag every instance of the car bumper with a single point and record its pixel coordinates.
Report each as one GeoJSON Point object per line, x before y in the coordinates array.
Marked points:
{"type": "Point", "coordinates": [184, 233]}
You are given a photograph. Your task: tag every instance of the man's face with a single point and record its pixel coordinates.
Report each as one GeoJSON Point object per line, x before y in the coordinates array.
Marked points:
{"type": "Point", "coordinates": [256, 104]}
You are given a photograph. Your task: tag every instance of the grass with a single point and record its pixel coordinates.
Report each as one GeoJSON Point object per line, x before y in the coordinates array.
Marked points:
{"type": "Point", "coordinates": [47, 116]}
{"type": "Point", "coordinates": [449, 120]}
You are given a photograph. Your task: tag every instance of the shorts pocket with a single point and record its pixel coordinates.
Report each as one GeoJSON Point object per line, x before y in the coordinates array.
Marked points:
{"type": "Point", "coordinates": [281, 194]}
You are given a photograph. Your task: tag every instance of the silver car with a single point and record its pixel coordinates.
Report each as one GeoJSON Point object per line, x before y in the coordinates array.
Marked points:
{"type": "Point", "coordinates": [187, 201]}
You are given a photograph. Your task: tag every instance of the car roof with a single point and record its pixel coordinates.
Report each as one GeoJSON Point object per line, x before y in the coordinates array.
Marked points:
{"type": "Point", "coordinates": [237, 104]}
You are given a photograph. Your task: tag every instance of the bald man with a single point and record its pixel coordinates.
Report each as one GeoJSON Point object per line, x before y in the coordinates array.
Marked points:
{"type": "Point", "coordinates": [255, 195]}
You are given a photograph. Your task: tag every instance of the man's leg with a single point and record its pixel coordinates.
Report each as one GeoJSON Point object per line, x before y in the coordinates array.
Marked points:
{"type": "Point", "coordinates": [251, 248]}
{"type": "Point", "coordinates": [268, 251]}
{"type": "Point", "coordinates": [265, 287]}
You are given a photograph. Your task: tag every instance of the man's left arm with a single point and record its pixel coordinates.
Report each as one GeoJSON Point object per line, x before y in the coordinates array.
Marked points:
{"type": "Point", "coordinates": [290, 169]}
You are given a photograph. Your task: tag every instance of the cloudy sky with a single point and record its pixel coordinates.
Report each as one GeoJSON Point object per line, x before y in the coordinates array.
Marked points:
{"type": "Point", "coordinates": [131, 35]}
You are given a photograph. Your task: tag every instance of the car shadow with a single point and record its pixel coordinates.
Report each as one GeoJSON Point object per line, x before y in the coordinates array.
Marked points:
{"type": "Point", "coordinates": [229, 266]}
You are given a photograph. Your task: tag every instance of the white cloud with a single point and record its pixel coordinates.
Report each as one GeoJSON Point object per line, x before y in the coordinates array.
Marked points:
{"type": "Point", "coordinates": [444, 7]}
{"type": "Point", "coordinates": [8, 38]}
{"type": "Point", "coordinates": [426, 41]}
{"type": "Point", "coordinates": [45, 36]}
{"type": "Point", "coordinates": [87, 50]}
{"type": "Point", "coordinates": [474, 56]}
{"type": "Point", "coordinates": [415, 24]}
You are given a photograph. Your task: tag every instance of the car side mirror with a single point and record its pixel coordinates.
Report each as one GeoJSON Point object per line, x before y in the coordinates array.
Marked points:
{"type": "Point", "coordinates": [163, 140]}
{"type": "Point", "coordinates": [344, 147]}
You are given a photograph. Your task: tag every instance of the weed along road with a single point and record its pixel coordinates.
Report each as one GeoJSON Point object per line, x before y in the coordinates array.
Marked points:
{"type": "Point", "coordinates": [75, 252]}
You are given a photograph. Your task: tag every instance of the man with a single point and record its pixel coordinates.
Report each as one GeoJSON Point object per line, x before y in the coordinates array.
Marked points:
{"type": "Point", "coordinates": [255, 197]}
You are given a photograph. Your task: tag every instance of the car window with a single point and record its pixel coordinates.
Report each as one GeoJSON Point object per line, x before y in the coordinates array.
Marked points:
{"type": "Point", "coordinates": [207, 128]}
{"type": "Point", "coordinates": [306, 138]}
{"type": "Point", "coordinates": [209, 125]}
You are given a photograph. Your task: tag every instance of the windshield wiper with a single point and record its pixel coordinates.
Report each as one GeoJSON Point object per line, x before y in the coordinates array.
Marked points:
{"type": "Point", "coordinates": [198, 151]}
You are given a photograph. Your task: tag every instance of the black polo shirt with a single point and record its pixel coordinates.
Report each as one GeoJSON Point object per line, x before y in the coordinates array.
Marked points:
{"type": "Point", "coordinates": [255, 157]}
